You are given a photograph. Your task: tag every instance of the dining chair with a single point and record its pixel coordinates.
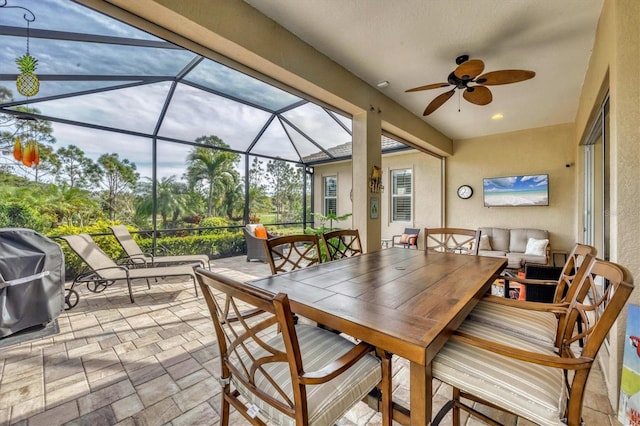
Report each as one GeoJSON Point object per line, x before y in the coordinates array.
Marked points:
{"type": "Point", "coordinates": [136, 256]}
{"type": "Point", "coordinates": [273, 370]}
{"type": "Point", "coordinates": [408, 238]}
{"type": "Point", "coordinates": [291, 252]}
{"type": "Point", "coordinates": [535, 321]}
{"type": "Point", "coordinates": [341, 243]}
{"type": "Point", "coordinates": [452, 240]}
{"type": "Point", "coordinates": [535, 382]}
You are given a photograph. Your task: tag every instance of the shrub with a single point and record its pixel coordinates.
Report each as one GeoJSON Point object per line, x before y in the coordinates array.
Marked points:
{"type": "Point", "coordinates": [16, 214]}
{"type": "Point", "coordinates": [213, 221]}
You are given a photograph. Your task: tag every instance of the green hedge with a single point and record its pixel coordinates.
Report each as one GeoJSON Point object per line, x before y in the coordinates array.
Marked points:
{"type": "Point", "coordinates": [223, 244]}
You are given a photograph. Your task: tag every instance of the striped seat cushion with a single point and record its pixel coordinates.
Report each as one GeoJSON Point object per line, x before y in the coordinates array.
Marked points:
{"type": "Point", "coordinates": [534, 326]}
{"type": "Point", "coordinates": [327, 402]}
{"type": "Point", "coordinates": [532, 391]}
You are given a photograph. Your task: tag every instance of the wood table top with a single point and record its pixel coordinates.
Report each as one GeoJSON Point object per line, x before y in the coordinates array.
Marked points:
{"type": "Point", "coordinates": [404, 301]}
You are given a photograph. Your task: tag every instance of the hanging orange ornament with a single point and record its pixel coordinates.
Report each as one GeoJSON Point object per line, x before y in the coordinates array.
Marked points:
{"type": "Point", "coordinates": [17, 149]}
{"type": "Point", "coordinates": [35, 154]}
{"type": "Point", "coordinates": [26, 155]}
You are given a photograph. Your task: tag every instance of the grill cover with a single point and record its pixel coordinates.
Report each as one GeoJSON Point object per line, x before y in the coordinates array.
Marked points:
{"type": "Point", "coordinates": [31, 280]}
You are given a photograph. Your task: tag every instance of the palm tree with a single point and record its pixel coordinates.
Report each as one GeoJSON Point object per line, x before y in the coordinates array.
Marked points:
{"type": "Point", "coordinates": [232, 198]}
{"type": "Point", "coordinates": [171, 202]}
{"type": "Point", "coordinates": [210, 167]}
{"type": "Point", "coordinates": [67, 203]}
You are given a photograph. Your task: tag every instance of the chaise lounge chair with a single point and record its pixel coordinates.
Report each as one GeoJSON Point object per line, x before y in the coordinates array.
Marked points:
{"type": "Point", "coordinates": [136, 255]}
{"type": "Point", "coordinates": [102, 271]}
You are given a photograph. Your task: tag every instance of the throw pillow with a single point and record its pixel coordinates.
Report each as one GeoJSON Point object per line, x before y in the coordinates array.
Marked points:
{"type": "Point", "coordinates": [485, 243]}
{"type": "Point", "coordinates": [261, 232]}
{"type": "Point", "coordinates": [408, 239]}
{"type": "Point", "coordinates": [536, 247]}
{"type": "Point", "coordinates": [251, 227]}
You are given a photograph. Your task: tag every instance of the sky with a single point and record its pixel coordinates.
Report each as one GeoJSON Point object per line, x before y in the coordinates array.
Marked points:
{"type": "Point", "coordinates": [517, 183]}
{"type": "Point", "coordinates": [185, 112]}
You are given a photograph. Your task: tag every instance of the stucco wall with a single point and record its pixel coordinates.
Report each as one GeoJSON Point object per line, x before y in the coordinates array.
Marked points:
{"type": "Point", "coordinates": [342, 171]}
{"type": "Point", "coordinates": [427, 191]}
{"type": "Point", "coordinates": [614, 62]}
{"type": "Point", "coordinates": [544, 150]}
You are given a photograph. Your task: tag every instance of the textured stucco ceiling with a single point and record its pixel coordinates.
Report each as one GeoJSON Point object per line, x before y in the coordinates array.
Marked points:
{"type": "Point", "coordinates": [415, 42]}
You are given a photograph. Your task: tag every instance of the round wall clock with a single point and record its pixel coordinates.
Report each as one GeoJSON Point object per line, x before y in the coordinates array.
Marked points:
{"type": "Point", "coordinates": [465, 192]}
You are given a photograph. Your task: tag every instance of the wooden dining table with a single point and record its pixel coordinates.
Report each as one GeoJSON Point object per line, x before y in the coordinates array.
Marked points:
{"type": "Point", "coordinates": [404, 301]}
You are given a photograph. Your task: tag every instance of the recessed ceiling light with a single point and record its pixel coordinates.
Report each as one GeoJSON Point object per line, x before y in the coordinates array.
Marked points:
{"type": "Point", "coordinates": [497, 116]}
{"type": "Point", "coordinates": [383, 84]}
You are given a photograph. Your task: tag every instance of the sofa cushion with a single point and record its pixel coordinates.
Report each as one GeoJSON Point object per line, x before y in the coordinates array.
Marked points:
{"type": "Point", "coordinates": [536, 247]}
{"type": "Point", "coordinates": [492, 253]}
{"type": "Point", "coordinates": [485, 243]}
{"type": "Point", "coordinates": [520, 237]}
{"type": "Point", "coordinates": [498, 238]}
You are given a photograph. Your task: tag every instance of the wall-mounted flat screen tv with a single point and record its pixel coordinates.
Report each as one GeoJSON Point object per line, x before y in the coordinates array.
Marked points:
{"type": "Point", "coordinates": [509, 191]}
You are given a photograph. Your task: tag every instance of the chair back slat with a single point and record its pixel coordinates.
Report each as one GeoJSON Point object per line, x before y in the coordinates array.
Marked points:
{"type": "Point", "coordinates": [246, 319]}
{"type": "Point", "coordinates": [564, 290]}
{"type": "Point", "coordinates": [452, 240]}
{"type": "Point", "coordinates": [129, 245]}
{"type": "Point", "coordinates": [87, 250]}
{"type": "Point", "coordinates": [292, 252]}
{"type": "Point", "coordinates": [342, 243]}
{"type": "Point", "coordinates": [601, 294]}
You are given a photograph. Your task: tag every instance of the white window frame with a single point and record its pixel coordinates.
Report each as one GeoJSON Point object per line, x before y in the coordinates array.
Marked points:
{"type": "Point", "coordinates": [326, 197]}
{"type": "Point", "coordinates": [395, 195]}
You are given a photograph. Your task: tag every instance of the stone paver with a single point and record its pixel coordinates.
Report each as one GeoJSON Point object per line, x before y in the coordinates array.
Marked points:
{"type": "Point", "coordinates": [154, 363]}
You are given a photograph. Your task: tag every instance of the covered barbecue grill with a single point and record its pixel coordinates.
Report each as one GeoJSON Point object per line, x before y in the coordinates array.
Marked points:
{"type": "Point", "coordinates": [31, 280]}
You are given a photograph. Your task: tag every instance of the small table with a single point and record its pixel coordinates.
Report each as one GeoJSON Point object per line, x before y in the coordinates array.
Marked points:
{"type": "Point", "coordinates": [562, 253]}
{"type": "Point", "coordinates": [386, 241]}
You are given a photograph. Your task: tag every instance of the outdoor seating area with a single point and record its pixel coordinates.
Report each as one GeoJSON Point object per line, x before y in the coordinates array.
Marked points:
{"type": "Point", "coordinates": [225, 213]}
{"type": "Point", "coordinates": [156, 362]}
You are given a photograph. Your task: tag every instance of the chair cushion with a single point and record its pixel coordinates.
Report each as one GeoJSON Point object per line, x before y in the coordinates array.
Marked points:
{"type": "Point", "coordinates": [534, 326]}
{"type": "Point", "coordinates": [326, 402]}
{"type": "Point", "coordinates": [408, 239]}
{"type": "Point", "coordinates": [532, 391]}
{"type": "Point", "coordinates": [251, 227]}
{"type": "Point", "coordinates": [261, 232]}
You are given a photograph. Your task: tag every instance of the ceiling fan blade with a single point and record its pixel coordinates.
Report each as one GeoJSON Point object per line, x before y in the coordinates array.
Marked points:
{"type": "Point", "coordinates": [469, 70]}
{"type": "Point", "coordinates": [427, 87]}
{"type": "Point", "coordinates": [480, 95]}
{"type": "Point", "coordinates": [438, 101]}
{"type": "Point", "coordinates": [495, 78]}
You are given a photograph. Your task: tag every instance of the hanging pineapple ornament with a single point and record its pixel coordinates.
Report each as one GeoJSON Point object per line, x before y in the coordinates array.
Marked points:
{"type": "Point", "coordinates": [25, 147]}
{"type": "Point", "coordinates": [27, 82]}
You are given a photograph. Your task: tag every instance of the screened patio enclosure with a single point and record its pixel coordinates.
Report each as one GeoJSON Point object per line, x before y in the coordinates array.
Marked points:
{"type": "Point", "coordinates": [109, 88]}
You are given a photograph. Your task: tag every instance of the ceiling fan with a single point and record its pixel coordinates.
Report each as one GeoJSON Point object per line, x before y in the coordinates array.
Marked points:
{"type": "Point", "coordinates": [468, 72]}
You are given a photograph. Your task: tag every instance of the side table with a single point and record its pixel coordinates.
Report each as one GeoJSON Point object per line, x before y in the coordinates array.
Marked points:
{"type": "Point", "coordinates": [562, 253]}
{"type": "Point", "coordinates": [386, 241]}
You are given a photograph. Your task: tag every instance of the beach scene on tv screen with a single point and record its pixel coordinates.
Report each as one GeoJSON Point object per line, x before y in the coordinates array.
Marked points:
{"type": "Point", "coordinates": [532, 190]}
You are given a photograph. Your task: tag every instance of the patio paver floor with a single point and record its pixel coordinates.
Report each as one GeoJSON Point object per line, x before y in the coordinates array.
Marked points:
{"type": "Point", "coordinates": [155, 362]}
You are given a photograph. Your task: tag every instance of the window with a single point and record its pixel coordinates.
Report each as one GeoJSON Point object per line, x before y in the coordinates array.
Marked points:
{"type": "Point", "coordinates": [330, 195]}
{"type": "Point", "coordinates": [401, 195]}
